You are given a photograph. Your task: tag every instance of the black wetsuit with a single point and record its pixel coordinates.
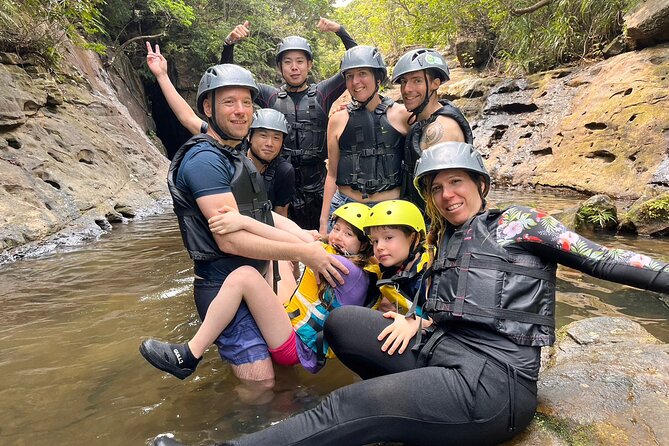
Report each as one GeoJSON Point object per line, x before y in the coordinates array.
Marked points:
{"type": "Point", "coordinates": [470, 384]}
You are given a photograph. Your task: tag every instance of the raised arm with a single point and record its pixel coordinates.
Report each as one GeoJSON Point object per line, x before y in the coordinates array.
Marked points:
{"type": "Point", "coordinates": [334, 86]}
{"type": "Point", "coordinates": [239, 33]}
{"type": "Point", "coordinates": [550, 239]}
{"type": "Point", "coordinates": [326, 25]}
{"type": "Point", "coordinates": [158, 66]}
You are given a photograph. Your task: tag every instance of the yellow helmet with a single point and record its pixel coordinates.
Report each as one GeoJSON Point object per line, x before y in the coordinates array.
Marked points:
{"type": "Point", "coordinates": [396, 213]}
{"type": "Point", "coordinates": [354, 213]}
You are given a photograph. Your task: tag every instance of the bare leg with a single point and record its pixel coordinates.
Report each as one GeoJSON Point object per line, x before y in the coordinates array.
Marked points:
{"type": "Point", "coordinates": [247, 284]}
{"type": "Point", "coordinates": [288, 284]}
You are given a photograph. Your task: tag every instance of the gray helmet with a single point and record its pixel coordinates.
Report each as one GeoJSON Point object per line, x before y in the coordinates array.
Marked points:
{"type": "Point", "coordinates": [450, 155]}
{"type": "Point", "coordinates": [362, 56]}
{"type": "Point", "coordinates": [293, 43]}
{"type": "Point", "coordinates": [225, 75]}
{"type": "Point", "coordinates": [421, 59]}
{"type": "Point", "coordinates": [268, 118]}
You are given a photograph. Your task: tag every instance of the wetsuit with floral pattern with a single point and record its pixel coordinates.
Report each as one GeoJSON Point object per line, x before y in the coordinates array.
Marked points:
{"type": "Point", "coordinates": [476, 386]}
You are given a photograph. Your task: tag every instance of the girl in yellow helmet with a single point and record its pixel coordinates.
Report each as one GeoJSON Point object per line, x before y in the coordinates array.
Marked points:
{"type": "Point", "coordinates": [291, 331]}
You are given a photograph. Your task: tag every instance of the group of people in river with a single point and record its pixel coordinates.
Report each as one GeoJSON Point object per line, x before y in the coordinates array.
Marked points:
{"type": "Point", "coordinates": [439, 303]}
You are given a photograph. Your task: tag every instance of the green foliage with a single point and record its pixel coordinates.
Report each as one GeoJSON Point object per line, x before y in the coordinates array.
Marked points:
{"type": "Point", "coordinates": [563, 31]}
{"type": "Point", "coordinates": [656, 209]}
{"type": "Point", "coordinates": [595, 215]}
{"type": "Point", "coordinates": [174, 9]}
{"type": "Point", "coordinates": [192, 31]}
{"type": "Point", "coordinates": [39, 27]}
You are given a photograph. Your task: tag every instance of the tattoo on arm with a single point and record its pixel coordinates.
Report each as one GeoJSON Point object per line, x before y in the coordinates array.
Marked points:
{"type": "Point", "coordinates": [432, 134]}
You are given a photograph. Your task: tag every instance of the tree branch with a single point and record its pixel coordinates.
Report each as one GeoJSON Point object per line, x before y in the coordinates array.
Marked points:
{"type": "Point", "coordinates": [129, 41]}
{"type": "Point", "coordinates": [540, 4]}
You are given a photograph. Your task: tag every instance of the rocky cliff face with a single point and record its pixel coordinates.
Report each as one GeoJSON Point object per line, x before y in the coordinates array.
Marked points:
{"type": "Point", "coordinates": [602, 128]}
{"type": "Point", "coordinates": [71, 155]}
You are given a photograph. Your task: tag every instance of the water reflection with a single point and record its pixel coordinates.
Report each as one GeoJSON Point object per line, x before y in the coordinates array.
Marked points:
{"type": "Point", "coordinates": [71, 372]}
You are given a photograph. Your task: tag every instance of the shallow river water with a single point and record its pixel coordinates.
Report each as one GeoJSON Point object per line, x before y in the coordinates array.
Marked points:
{"type": "Point", "coordinates": [70, 371]}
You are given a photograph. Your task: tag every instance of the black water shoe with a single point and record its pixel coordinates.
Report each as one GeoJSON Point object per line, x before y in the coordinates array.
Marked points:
{"type": "Point", "coordinates": [175, 359]}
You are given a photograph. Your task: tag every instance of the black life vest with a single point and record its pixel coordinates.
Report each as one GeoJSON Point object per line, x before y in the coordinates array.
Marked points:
{"type": "Point", "coordinates": [307, 124]}
{"type": "Point", "coordinates": [269, 174]}
{"type": "Point", "coordinates": [247, 187]}
{"type": "Point", "coordinates": [412, 148]}
{"type": "Point", "coordinates": [475, 279]}
{"type": "Point", "coordinates": [370, 151]}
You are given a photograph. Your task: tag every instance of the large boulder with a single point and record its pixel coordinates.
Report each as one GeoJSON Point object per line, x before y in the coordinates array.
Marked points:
{"type": "Point", "coordinates": [647, 216]}
{"type": "Point", "coordinates": [605, 382]}
{"type": "Point", "coordinates": [597, 213]}
{"type": "Point", "coordinates": [648, 24]}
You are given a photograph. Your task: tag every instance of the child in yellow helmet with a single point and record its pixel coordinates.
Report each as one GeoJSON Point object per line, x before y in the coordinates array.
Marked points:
{"type": "Point", "coordinates": [291, 331]}
{"type": "Point", "coordinates": [396, 229]}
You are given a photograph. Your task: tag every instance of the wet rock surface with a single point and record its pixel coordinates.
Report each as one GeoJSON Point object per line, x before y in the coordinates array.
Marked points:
{"type": "Point", "coordinates": [72, 157]}
{"type": "Point", "coordinates": [647, 216]}
{"type": "Point", "coordinates": [605, 382]}
{"type": "Point", "coordinates": [596, 129]}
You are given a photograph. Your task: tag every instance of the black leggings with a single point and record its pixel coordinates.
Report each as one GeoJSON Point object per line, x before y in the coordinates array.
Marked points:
{"type": "Point", "coordinates": [458, 398]}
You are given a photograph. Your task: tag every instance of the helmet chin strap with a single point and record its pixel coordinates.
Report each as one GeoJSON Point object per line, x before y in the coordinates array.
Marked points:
{"type": "Point", "coordinates": [261, 161]}
{"type": "Point", "coordinates": [357, 105]}
{"type": "Point", "coordinates": [418, 110]}
{"type": "Point", "coordinates": [214, 125]}
{"type": "Point", "coordinates": [293, 88]}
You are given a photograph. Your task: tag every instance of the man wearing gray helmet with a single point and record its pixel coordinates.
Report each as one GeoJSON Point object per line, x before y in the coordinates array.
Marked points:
{"type": "Point", "coordinates": [208, 173]}
{"type": "Point", "coordinates": [268, 131]}
{"type": "Point", "coordinates": [420, 73]}
{"type": "Point", "coordinates": [306, 108]}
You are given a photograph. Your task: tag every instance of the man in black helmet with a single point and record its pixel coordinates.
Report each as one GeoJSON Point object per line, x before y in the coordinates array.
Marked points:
{"type": "Point", "coordinates": [306, 108]}
{"type": "Point", "coordinates": [420, 73]}
{"type": "Point", "coordinates": [210, 172]}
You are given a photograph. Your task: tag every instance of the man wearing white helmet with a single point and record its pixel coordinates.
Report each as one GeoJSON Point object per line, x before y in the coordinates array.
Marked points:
{"type": "Point", "coordinates": [267, 134]}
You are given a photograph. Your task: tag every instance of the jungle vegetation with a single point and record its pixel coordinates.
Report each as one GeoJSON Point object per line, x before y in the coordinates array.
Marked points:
{"type": "Point", "coordinates": [523, 35]}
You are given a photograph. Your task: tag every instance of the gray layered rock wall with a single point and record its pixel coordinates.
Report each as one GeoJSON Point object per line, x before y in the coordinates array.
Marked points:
{"type": "Point", "coordinates": [72, 158]}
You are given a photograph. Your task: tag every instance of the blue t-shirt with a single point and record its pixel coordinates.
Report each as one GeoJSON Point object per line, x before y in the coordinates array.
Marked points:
{"type": "Point", "coordinates": [205, 172]}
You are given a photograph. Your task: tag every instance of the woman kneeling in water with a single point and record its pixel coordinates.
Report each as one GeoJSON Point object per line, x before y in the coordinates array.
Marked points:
{"type": "Point", "coordinates": [292, 334]}
{"type": "Point", "coordinates": [470, 378]}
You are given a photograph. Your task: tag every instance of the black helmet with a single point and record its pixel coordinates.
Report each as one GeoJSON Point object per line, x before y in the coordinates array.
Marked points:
{"type": "Point", "coordinates": [364, 57]}
{"type": "Point", "coordinates": [450, 155]}
{"type": "Point", "coordinates": [421, 59]}
{"type": "Point", "coordinates": [225, 75]}
{"type": "Point", "coordinates": [268, 118]}
{"type": "Point", "coordinates": [293, 43]}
